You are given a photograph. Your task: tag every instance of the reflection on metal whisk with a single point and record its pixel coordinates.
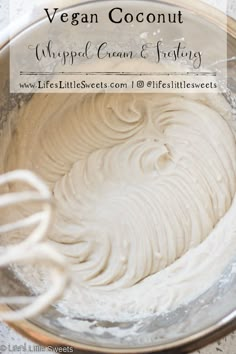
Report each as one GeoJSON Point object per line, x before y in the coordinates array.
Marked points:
{"type": "Point", "coordinates": [33, 250]}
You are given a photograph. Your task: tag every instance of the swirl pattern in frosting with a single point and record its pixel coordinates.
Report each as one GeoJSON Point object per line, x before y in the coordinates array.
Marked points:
{"type": "Point", "coordinates": [141, 183]}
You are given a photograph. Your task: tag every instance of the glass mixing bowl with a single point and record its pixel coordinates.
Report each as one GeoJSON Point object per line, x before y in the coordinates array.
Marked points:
{"type": "Point", "coordinates": [206, 319]}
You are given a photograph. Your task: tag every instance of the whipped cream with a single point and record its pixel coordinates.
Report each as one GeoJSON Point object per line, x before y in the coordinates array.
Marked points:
{"type": "Point", "coordinates": [144, 188]}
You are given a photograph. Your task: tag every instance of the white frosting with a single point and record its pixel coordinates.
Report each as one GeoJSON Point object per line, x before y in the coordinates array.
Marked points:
{"type": "Point", "coordinates": [143, 186]}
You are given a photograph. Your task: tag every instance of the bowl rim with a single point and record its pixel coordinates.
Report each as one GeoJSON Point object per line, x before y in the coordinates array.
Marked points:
{"type": "Point", "coordinates": [190, 343]}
